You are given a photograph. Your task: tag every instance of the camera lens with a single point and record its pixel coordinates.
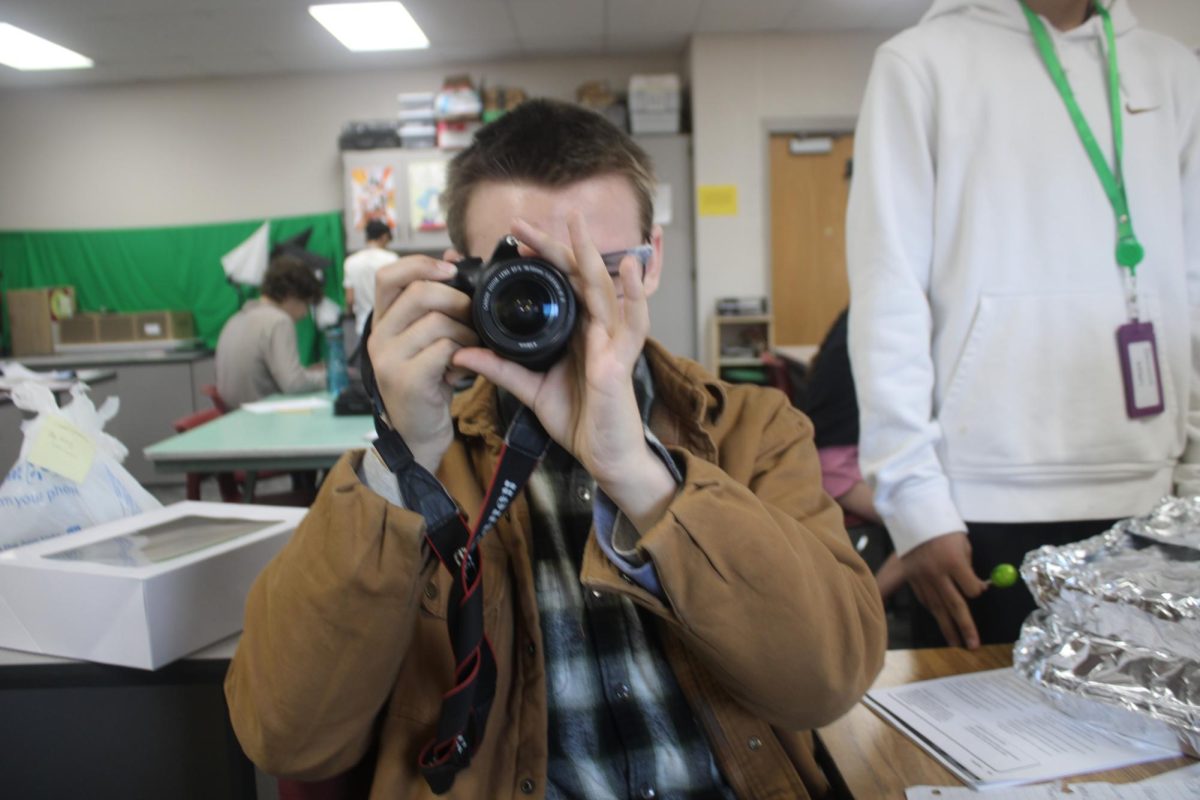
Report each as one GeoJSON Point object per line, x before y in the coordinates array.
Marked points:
{"type": "Point", "coordinates": [524, 308]}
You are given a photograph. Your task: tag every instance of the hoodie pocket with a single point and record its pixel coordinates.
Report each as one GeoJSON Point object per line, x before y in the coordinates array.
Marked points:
{"type": "Point", "coordinates": [1038, 388]}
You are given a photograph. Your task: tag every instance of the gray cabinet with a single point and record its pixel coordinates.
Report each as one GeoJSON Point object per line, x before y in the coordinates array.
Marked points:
{"type": "Point", "coordinates": [673, 306]}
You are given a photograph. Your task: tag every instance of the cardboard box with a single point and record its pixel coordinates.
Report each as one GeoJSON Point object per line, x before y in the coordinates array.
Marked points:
{"type": "Point", "coordinates": [91, 328]}
{"type": "Point", "coordinates": [143, 326]}
{"type": "Point", "coordinates": [142, 591]}
{"type": "Point", "coordinates": [456, 135]}
{"type": "Point", "coordinates": [33, 316]}
{"type": "Point", "coordinates": [83, 328]}
{"type": "Point", "coordinates": [154, 326]}
{"type": "Point", "coordinates": [116, 328]}
{"type": "Point", "coordinates": [655, 103]}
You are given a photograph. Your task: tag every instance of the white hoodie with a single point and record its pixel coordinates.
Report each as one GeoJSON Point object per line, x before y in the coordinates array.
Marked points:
{"type": "Point", "coordinates": [985, 296]}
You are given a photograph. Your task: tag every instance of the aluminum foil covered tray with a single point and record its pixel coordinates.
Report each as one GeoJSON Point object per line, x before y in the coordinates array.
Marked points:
{"type": "Point", "coordinates": [1119, 685]}
{"type": "Point", "coordinates": [1137, 583]}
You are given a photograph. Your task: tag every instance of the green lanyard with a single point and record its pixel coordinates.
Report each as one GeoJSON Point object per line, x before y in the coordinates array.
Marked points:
{"type": "Point", "coordinates": [1129, 249]}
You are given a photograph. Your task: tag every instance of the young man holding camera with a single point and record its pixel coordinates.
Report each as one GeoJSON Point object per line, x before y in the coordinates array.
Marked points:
{"type": "Point", "coordinates": [668, 611]}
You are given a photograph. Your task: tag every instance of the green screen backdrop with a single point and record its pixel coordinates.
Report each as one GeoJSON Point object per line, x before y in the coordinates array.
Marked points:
{"type": "Point", "coordinates": [150, 269]}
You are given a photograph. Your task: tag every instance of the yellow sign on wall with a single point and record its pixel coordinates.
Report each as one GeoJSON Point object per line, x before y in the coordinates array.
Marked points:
{"type": "Point", "coordinates": [717, 200]}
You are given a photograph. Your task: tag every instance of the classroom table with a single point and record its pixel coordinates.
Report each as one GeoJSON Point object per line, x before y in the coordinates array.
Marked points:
{"type": "Point", "coordinates": [877, 762]}
{"type": "Point", "coordinates": [287, 441]}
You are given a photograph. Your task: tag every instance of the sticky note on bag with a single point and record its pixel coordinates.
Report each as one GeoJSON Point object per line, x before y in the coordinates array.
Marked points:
{"type": "Point", "coordinates": [62, 448]}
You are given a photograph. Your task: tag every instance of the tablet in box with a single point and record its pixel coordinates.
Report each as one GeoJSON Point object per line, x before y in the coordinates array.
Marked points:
{"type": "Point", "coordinates": [141, 591]}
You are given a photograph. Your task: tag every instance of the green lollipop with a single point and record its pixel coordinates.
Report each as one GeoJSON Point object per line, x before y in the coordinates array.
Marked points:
{"type": "Point", "coordinates": [1004, 576]}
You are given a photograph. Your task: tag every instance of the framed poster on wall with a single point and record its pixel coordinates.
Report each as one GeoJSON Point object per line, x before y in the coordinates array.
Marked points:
{"type": "Point", "coordinates": [373, 192]}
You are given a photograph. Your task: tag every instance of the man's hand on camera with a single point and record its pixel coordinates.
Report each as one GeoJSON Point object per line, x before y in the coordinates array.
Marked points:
{"type": "Point", "coordinates": [419, 324]}
{"type": "Point", "coordinates": [586, 401]}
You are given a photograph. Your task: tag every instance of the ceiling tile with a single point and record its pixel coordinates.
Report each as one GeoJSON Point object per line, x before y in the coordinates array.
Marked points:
{"type": "Point", "coordinates": [455, 22]}
{"type": "Point", "coordinates": [631, 18]}
{"type": "Point", "coordinates": [539, 21]}
{"type": "Point", "coordinates": [729, 16]}
{"type": "Point", "coordinates": [831, 15]}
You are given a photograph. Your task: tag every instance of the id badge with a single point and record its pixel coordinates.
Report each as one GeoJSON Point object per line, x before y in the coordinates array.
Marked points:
{"type": "Point", "coordinates": [1139, 369]}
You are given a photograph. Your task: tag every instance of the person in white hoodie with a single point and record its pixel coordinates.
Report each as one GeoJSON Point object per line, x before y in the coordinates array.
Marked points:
{"type": "Point", "coordinates": [991, 318]}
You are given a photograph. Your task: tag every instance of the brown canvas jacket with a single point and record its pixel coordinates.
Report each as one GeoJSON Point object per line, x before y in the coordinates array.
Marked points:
{"type": "Point", "coordinates": [771, 622]}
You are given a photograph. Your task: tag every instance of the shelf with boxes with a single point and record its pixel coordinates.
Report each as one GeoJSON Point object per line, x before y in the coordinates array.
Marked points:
{"type": "Point", "coordinates": [86, 331]}
{"type": "Point", "coordinates": [739, 338]}
{"type": "Point", "coordinates": [46, 321]}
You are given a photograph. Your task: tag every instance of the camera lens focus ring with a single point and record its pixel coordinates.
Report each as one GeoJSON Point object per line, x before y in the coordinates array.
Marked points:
{"type": "Point", "coordinates": [525, 310]}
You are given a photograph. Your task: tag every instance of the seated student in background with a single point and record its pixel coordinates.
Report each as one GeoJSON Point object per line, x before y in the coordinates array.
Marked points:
{"type": "Point", "coordinates": [256, 353]}
{"type": "Point", "coordinates": [831, 404]}
{"type": "Point", "coordinates": [673, 604]}
{"type": "Point", "coordinates": [359, 271]}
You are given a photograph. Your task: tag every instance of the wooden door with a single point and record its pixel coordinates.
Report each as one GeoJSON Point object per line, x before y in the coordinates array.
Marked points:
{"type": "Point", "coordinates": [809, 192]}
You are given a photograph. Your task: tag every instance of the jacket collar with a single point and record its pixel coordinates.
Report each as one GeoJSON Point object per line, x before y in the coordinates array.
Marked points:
{"type": "Point", "coordinates": [687, 399]}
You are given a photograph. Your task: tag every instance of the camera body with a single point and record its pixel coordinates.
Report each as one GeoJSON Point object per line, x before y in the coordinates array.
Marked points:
{"type": "Point", "coordinates": [522, 308]}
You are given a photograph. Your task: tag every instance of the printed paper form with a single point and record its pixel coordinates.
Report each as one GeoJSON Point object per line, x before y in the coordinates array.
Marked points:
{"type": "Point", "coordinates": [993, 729]}
{"type": "Point", "coordinates": [1180, 784]}
{"type": "Point", "coordinates": [291, 405]}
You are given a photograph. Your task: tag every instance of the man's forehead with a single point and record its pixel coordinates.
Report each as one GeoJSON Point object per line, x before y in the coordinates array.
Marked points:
{"type": "Point", "coordinates": [608, 204]}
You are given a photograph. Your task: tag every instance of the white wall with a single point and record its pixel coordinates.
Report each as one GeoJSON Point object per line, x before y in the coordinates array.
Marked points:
{"type": "Point", "coordinates": [191, 152]}
{"type": "Point", "coordinates": [743, 86]}
{"type": "Point", "coordinates": [1177, 18]}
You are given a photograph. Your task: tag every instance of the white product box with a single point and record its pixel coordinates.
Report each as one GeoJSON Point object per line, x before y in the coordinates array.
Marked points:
{"type": "Point", "coordinates": [655, 103]}
{"type": "Point", "coordinates": [141, 591]}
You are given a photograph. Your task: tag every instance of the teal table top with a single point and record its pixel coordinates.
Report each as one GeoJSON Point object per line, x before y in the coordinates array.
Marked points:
{"type": "Point", "coordinates": [285, 440]}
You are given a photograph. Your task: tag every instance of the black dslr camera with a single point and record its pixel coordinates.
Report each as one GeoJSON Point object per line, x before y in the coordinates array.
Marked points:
{"type": "Point", "coordinates": [522, 308]}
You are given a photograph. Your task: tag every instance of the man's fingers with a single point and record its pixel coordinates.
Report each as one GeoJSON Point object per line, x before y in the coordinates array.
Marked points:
{"type": "Point", "coordinates": [410, 382]}
{"type": "Point", "coordinates": [599, 291]}
{"type": "Point", "coordinates": [429, 329]}
{"type": "Point", "coordinates": [536, 241]}
{"type": "Point", "coordinates": [392, 279]}
{"type": "Point", "coordinates": [635, 311]}
{"type": "Point", "coordinates": [960, 615]}
{"type": "Point", "coordinates": [417, 300]}
{"type": "Point", "coordinates": [522, 383]}
{"type": "Point", "coordinates": [967, 581]}
{"type": "Point", "coordinates": [949, 630]}
{"type": "Point", "coordinates": [929, 595]}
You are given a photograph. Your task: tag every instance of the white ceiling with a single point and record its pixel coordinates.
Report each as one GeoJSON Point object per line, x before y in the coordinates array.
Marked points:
{"type": "Point", "coordinates": [149, 40]}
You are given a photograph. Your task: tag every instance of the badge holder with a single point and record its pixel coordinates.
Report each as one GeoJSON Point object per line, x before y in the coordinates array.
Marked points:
{"type": "Point", "coordinates": [1136, 344]}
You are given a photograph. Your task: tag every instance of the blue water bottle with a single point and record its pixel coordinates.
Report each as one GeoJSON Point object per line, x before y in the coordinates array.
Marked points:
{"type": "Point", "coordinates": [335, 361]}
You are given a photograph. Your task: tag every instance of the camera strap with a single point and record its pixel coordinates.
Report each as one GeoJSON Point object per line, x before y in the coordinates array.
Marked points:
{"type": "Point", "coordinates": [465, 706]}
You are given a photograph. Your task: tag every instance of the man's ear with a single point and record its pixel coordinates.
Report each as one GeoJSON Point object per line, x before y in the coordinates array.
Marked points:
{"type": "Point", "coordinates": [654, 266]}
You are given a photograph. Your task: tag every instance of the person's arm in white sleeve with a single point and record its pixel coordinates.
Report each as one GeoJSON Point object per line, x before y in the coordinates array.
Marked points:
{"type": "Point", "coordinates": [1187, 473]}
{"type": "Point", "coordinates": [889, 236]}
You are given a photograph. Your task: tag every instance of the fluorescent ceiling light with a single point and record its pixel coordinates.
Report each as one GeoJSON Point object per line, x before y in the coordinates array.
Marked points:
{"type": "Point", "coordinates": [371, 26]}
{"type": "Point", "coordinates": [22, 50]}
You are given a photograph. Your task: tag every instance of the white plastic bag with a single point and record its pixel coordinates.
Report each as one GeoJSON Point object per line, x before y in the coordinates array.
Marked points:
{"type": "Point", "coordinates": [37, 502]}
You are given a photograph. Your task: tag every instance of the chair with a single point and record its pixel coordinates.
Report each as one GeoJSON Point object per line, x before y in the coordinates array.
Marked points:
{"type": "Point", "coordinates": [238, 486]}
{"type": "Point", "coordinates": [209, 390]}
{"type": "Point", "coordinates": [227, 482]}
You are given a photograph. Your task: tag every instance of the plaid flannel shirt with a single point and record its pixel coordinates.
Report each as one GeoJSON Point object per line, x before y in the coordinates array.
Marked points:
{"type": "Point", "coordinates": [619, 725]}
